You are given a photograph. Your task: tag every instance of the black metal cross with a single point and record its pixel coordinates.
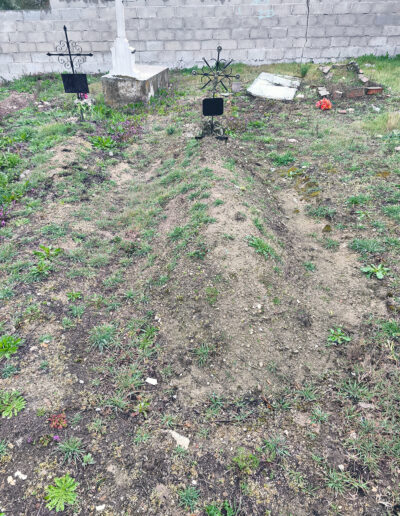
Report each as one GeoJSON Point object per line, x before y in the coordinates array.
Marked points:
{"type": "Point", "coordinates": [217, 73]}
{"type": "Point", "coordinates": [64, 50]}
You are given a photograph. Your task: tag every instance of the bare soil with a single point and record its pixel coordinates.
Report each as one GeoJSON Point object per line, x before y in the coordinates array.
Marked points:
{"type": "Point", "coordinates": [262, 321]}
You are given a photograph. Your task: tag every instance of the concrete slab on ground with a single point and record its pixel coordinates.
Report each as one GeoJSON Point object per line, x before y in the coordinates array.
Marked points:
{"type": "Point", "coordinates": [275, 87]}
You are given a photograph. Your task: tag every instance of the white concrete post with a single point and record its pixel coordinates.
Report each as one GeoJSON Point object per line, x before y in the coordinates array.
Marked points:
{"type": "Point", "coordinates": [123, 61]}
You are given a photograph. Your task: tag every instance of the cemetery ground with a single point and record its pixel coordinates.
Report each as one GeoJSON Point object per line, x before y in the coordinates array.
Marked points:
{"type": "Point", "coordinates": [257, 281]}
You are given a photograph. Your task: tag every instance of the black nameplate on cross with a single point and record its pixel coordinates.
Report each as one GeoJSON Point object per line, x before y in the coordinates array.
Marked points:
{"type": "Point", "coordinates": [70, 55]}
{"type": "Point", "coordinates": [213, 107]}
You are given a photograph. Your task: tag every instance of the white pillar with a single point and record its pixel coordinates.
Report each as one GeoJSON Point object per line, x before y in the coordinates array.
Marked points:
{"type": "Point", "coordinates": [123, 61]}
{"type": "Point", "coordinates": [120, 12]}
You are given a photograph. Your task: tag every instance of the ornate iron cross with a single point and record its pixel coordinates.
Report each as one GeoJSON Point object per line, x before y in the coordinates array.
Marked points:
{"type": "Point", "coordinates": [215, 74]}
{"type": "Point", "coordinates": [71, 50]}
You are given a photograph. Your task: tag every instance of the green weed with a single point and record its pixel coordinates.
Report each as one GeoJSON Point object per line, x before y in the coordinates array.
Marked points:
{"type": "Point", "coordinates": [62, 493]}
{"type": "Point", "coordinates": [102, 337]}
{"type": "Point", "coordinates": [281, 159]}
{"type": "Point", "coordinates": [72, 450]}
{"type": "Point", "coordinates": [188, 498]}
{"type": "Point", "coordinates": [245, 461]}
{"type": "Point", "coordinates": [367, 246]}
{"type": "Point", "coordinates": [338, 336]}
{"type": "Point", "coordinates": [355, 390]}
{"type": "Point", "coordinates": [261, 247]}
{"type": "Point", "coordinates": [11, 403]}
{"type": "Point", "coordinates": [379, 271]}
{"type": "Point", "coordinates": [275, 448]}
{"type": "Point", "coordinates": [203, 353]}
{"type": "Point", "coordinates": [9, 346]}
{"type": "Point", "coordinates": [341, 481]}
{"type": "Point", "coordinates": [321, 212]}
{"type": "Point", "coordinates": [225, 509]}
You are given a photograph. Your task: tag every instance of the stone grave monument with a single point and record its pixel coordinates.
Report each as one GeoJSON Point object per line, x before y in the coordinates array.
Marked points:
{"type": "Point", "coordinates": [129, 82]}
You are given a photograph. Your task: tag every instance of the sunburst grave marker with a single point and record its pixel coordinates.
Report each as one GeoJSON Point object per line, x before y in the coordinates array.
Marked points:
{"type": "Point", "coordinates": [215, 75]}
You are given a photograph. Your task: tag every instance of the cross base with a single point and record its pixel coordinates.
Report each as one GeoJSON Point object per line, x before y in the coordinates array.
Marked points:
{"type": "Point", "coordinates": [139, 85]}
{"type": "Point", "coordinates": [123, 57]}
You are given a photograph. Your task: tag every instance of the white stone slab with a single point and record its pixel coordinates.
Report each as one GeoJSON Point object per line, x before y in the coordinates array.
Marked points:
{"type": "Point", "coordinates": [275, 87]}
{"type": "Point", "coordinates": [144, 72]}
{"type": "Point", "coordinates": [140, 72]}
{"type": "Point", "coordinates": [280, 80]}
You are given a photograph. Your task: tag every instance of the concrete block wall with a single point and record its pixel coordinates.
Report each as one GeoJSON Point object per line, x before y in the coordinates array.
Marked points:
{"type": "Point", "coordinates": [178, 33]}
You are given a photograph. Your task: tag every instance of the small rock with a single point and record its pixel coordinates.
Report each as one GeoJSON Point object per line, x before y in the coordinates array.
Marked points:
{"type": "Point", "coordinates": [323, 92]}
{"type": "Point", "coordinates": [341, 467]}
{"type": "Point", "coordinates": [326, 69]}
{"type": "Point", "coordinates": [364, 405]}
{"type": "Point", "coordinates": [397, 149]}
{"type": "Point", "coordinates": [181, 440]}
{"type": "Point", "coordinates": [351, 110]}
{"type": "Point", "coordinates": [20, 475]}
{"type": "Point", "coordinates": [376, 109]}
{"type": "Point", "coordinates": [11, 481]}
{"type": "Point", "coordinates": [342, 111]}
{"type": "Point", "coordinates": [100, 508]}
{"type": "Point", "coordinates": [237, 87]}
{"type": "Point", "coordinates": [292, 140]}
{"type": "Point", "coordinates": [151, 381]}
{"type": "Point", "coordinates": [300, 96]}
{"type": "Point", "coordinates": [111, 153]}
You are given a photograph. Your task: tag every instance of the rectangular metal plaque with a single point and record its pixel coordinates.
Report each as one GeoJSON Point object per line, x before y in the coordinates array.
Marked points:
{"type": "Point", "coordinates": [75, 82]}
{"type": "Point", "coordinates": [213, 107]}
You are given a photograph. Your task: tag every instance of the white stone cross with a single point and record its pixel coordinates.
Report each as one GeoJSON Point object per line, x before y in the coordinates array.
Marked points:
{"type": "Point", "coordinates": [123, 58]}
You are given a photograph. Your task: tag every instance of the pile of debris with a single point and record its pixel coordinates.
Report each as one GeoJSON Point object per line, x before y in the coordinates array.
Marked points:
{"type": "Point", "coordinates": [368, 87]}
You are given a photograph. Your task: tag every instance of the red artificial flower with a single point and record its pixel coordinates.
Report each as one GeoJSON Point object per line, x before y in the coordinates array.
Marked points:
{"type": "Point", "coordinates": [324, 104]}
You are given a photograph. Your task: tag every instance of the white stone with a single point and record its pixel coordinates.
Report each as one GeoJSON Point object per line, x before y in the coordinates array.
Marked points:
{"type": "Point", "coordinates": [323, 92]}
{"type": "Point", "coordinates": [275, 87]}
{"type": "Point", "coordinates": [100, 508]}
{"type": "Point", "coordinates": [20, 475]}
{"type": "Point", "coordinates": [181, 440]}
{"type": "Point", "coordinates": [151, 381]}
